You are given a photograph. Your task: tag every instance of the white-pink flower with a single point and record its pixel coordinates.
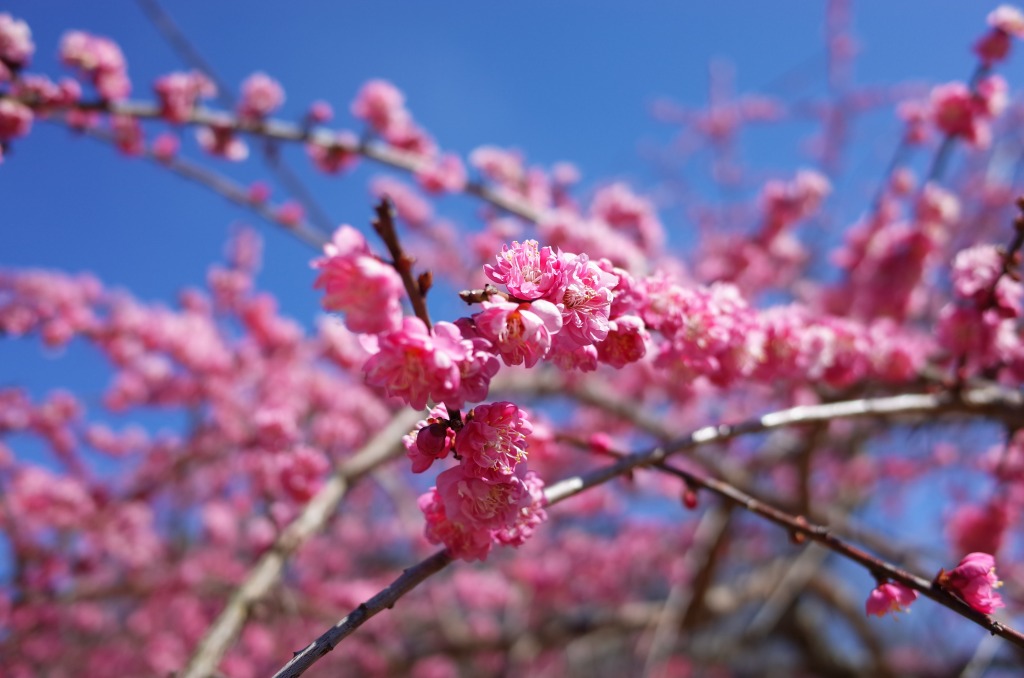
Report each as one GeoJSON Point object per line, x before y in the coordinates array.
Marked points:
{"type": "Point", "coordinates": [261, 96]}
{"type": "Point", "coordinates": [521, 333]}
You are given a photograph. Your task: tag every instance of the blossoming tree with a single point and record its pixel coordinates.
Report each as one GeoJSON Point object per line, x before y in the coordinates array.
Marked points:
{"type": "Point", "coordinates": [600, 457]}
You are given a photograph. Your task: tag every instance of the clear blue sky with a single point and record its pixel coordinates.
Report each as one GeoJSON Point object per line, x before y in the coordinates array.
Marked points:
{"type": "Point", "coordinates": [569, 80]}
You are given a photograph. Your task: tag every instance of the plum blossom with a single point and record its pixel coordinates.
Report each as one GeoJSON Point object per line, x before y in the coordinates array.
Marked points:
{"type": "Point", "coordinates": [15, 119]}
{"type": "Point", "coordinates": [627, 341]}
{"type": "Point", "coordinates": [493, 441]}
{"type": "Point", "coordinates": [381, 104]}
{"type": "Point", "coordinates": [585, 300]}
{"type": "Point", "coordinates": [528, 270]}
{"type": "Point", "coordinates": [261, 96]}
{"type": "Point", "coordinates": [100, 59]}
{"type": "Point", "coordinates": [976, 271]}
{"type": "Point", "coordinates": [521, 333]}
{"type": "Point", "coordinates": [367, 290]}
{"type": "Point", "coordinates": [479, 502]}
{"type": "Point", "coordinates": [417, 364]}
{"type": "Point", "coordinates": [16, 46]}
{"type": "Point", "coordinates": [219, 139]}
{"type": "Point", "coordinates": [445, 174]}
{"type": "Point", "coordinates": [463, 541]}
{"type": "Point", "coordinates": [974, 580]}
{"type": "Point", "coordinates": [336, 157]}
{"type": "Point", "coordinates": [179, 93]}
{"type": "Point", "coordinates": [889, 597]}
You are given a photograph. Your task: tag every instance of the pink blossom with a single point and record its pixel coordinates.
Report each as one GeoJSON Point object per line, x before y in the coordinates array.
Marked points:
{"type": "Point", "coordinates": [431, 440]}
{"type": "Point", "coordinates": [261, 96]}
{"type": "Point", "coordinates": [889, 597]}
{"type": "Point", "coordinates": [993, 46]}
{"type": "Point", "coordinates": [165, 146]}
{"type": "Point", "coordinates": [16, 46]}
{"type": "Point", "coordinates": [626, 342]}
{"type": "Point", "coordinates": [100, 59]}
{"type": "Point", "coordinates": [15, 119]}
{"type": "Point", "coordinates": [220, 140]}
{"type": "Point", "coordinates": [521, 333]}
{"type": "Point", "coordinates": [381, 104]}
{"type": "Point", "coordinates": [974, 580]}
{"type": "Point", "coordinates": [417, 364]}
{"type": "Point", "coordinates": [493, 440]}
{"type": "Point", "coordinates": [302, 472]}
{"type": "Point", "coordinates": [567, 355]}
{"type": "Point", "coordinates": [290, 214]}
{"type": "Point", "coordinates": [629, 213]}
{"type": "Point", "coordinates": [979, 527]}
{"type": "Point", "coordinates": [179, 93]}
{"type": "Point", "coordinates": [528, 270]}
{"type": "Point", "coordinates": [585, 299]}
{"type": "Point", "coordinates": [466, 542]}
{"type": "Point", "coordinates": [320, 112]}
{"type": "Point", "coordinates": [127, 134]}
{"type": "Point", "coordinates": [365, 289]}
{"type": "Point", "coordinates": [956, 111]}
{"type": "Point", "coordinates": [500, 166]}
{"type": "Point", "coordinates": [39, 496]}
{"type": "Point", "coordinates": [529, 517]}
{"type": "Point", "coordinates": [483, 504]}
{"type": "Point", "coordinates": [259, 193]}
{"type": "Point", "coordinates": [445, 174]}
{"type": "Point", "coordinates": [335, 157]}
{"type": "Point", "coordinates": [975, 272]}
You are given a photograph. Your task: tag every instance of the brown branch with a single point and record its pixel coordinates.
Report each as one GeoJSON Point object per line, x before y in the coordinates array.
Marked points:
{"type": "Point", "coordinates": [280, 130]}
{"type": "Point", "coordinates": [265, 574]}
{"type": "Point", "coordinates": [989, 402]}
{"type": "Point", "coordinates": [384, 225]}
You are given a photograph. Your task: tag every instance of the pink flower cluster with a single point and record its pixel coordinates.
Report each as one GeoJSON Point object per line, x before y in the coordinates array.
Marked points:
{"type": "Point", "coordinates": [16, 46]}
{"type": "Point", "coordinates": [179, 93]}
{"type": "Point", "coordinates": [382, 106]}
{"type": "Point", "coordinates": [1007, 22]}
{"type": "Point", "coordinates": [367, 290]}
{"type": "Point", "coordinates": [974, 580]}
{"type": "Point", "coordinates": [957, 111]}
{"type": "Point", "coordinates": [99, 59]}
{"type": "Point", "coordinates": [489, 497]}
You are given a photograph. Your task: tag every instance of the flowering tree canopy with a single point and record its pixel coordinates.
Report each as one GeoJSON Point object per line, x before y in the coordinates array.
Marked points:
{"type": "Point", "coordinates": [712, 426]}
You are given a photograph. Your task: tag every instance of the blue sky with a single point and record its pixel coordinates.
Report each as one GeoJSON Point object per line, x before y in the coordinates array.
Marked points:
{"type": "Point", "coordinates": [572, 80]}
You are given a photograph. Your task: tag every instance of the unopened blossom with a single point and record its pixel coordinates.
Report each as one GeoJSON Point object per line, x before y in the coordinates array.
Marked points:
{"type": "Point", "coordinates": [380, 104]}
{"type": "Point", "coordinates": [974, 580]}
{"type": "Point", "coordinates": [16, 46]}
{"type": "Point", "coordinates": [889, 597]}
{"type": "Point", "coordinates": [433, 439]}
{"type": "Point", "coordinates": [494, 439]}
{"type": "Point", "coordinates": [320, 112]}
{"type": "Point", "coordinates": [127, 134]}
{"type": "Point", "coordinates": [367, 290]}
{"type": "Point", "coordinates": [261, 96]}
{"type": "Point", "coordinates": [528, 270]}
{"type": "Point", "coordinates": [521, 333]}
{"type": "Point", "coordinates": [179, 93]}
{"type": "Point", "coordinates": [165, 146]}
{"type": "Point", "coordinates": [290, 214]}
{"type": "Point", "coordinates": [417, 364]}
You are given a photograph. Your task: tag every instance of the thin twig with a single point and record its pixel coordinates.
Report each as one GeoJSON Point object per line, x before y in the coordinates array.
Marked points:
{"type": "Point", "coordinates": [384, 225]}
